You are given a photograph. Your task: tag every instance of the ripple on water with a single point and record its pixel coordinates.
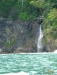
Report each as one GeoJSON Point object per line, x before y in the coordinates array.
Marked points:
{"type": "Point", "coordinates": [36, 63]}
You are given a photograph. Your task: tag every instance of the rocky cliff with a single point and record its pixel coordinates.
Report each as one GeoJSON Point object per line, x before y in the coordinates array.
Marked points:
{"type": "Point", "coordinates": [18, 36]}
{"type": "Point", "coordinates": [21, 36]}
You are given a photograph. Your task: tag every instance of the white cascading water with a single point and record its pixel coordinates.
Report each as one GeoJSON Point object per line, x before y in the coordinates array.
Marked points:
{"type": "Point", "coordinates": [39, 43]}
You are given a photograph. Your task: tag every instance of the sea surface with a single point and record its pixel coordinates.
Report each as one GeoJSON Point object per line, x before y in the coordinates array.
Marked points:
{"type": "Point", "coordinates": [28, 64]}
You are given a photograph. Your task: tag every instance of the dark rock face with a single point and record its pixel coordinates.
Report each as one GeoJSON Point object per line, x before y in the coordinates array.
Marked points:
{"type": "Point", "coordinates": [2, 29]}
{"type": "Point", "coordinates": [22, 32]}
{"type": "Point", "coordinates": [8, 29]}
{"type": "Point", "coordinates": [52, 45]}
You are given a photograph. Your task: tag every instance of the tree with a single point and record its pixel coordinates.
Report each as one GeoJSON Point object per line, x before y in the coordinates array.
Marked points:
{"type": "Point", "coordinates": [51, 24]}
{"type": "Point", "coordinates": [39, 3]}
{"type": "Point", "coordinates": [53, 15]}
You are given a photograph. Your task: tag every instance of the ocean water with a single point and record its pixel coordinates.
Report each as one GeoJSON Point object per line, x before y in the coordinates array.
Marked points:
{"type": "Point", "coordinates": [28, 64]}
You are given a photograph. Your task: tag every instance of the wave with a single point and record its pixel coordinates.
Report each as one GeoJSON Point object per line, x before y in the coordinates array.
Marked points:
{"type": "Point", "coordinates": [20, 73]}
{"type": "Point", "coordinates": [55, 51]}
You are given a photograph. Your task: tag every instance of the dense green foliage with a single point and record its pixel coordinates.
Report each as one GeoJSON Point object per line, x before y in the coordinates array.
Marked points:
{"type": "Point", "coordinates": [51, 23]}
{"type": "Point", "coordinates": [17, 9]}
{"type": "Point", "coordinates": [31, 9]}
{"type": "Point", "coordinates": [40, 4]}
{"type": "Point", "coordinates": [49, 11]}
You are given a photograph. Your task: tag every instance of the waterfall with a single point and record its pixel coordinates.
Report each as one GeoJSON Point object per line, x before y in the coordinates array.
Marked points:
{"type": "Point", "coordinates": [39, 43]}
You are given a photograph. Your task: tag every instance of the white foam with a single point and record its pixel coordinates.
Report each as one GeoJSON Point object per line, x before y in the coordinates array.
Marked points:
{"type": "Point", "coordinates": [55, 51]}
{"type": "Point", "coordinates": [20, 73]}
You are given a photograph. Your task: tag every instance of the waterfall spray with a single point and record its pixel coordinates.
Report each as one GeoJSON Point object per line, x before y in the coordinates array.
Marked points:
{"type": "Point", "coordinates": [39, 43]}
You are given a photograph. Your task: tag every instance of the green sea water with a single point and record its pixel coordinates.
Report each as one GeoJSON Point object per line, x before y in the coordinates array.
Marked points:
{"type": "Point", "coordinates": [28, 64]}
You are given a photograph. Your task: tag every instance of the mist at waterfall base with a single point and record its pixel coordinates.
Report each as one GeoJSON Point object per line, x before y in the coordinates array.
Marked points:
{"type": "Point", "coordinates": [28, 64]}
{"type": "Point", "coordinates": [39, 43]}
